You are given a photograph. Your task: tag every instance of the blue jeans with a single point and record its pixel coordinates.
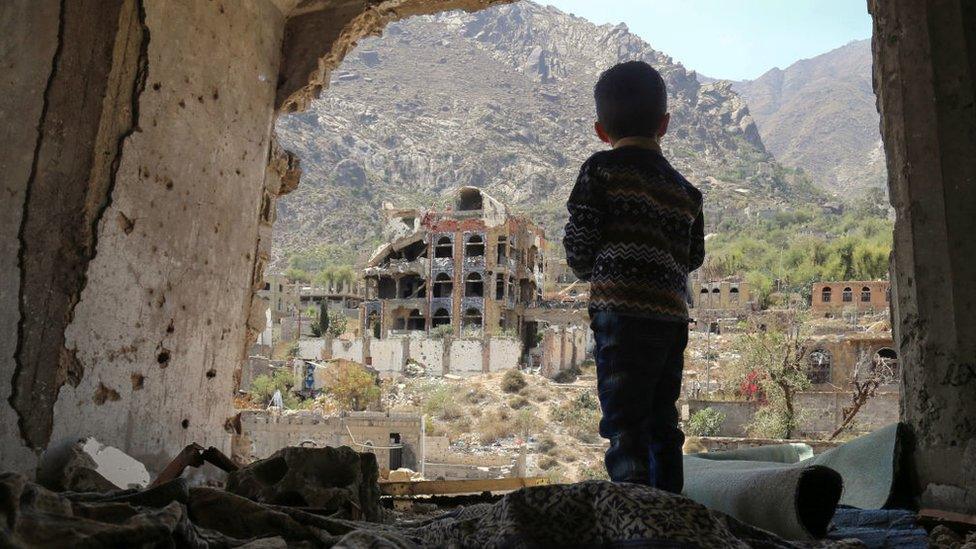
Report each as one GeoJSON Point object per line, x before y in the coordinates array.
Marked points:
{"type": "Point", "coordinates": [639, 363]}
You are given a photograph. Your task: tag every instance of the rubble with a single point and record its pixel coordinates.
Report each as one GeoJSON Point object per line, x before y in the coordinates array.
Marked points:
{"type": "Point", "coordinates": [87, 465]}
{"type": "Point", "coordinates": [335, 479]}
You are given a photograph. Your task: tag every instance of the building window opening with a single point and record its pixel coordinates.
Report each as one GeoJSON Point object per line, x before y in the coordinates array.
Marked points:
{"type": "Point", "coordinates": [387, 288]}
{"type": "Point", "coordinates": [825, 295]}
{"type": "Point", "coordinates": [865, 295]}
{"type": "Point", "coordinates": [499, 286]}
{"type": "Point", "coordinates": [502, 249]}
{"type": "Point", "coordinates": [474, 285]}
{"type": "Point", "coordinates": [472, 318]}
{"type": "Point", "coordinates": [373, 324]}
{"type": "Point", "coordinates": [415, 251]}
{"type": "Point", "coordinates": [415, 321]}
{"type": "Point", "coordinates": [734, 295]}
{"type": "Point", "coordinates": [444, 247]}
{"type": "Point", "coordinates": [819, 366]}
{"type": "Point", "coordinates": [848, 295]}
{"type": "Point", "coordinates": [886, 364]}
{"type": "Point", "coordinates": [443, 285]}
{"type": "Point", "coordinates": [469, 199]}
{"type": "Point", "coordinates": [412, 287]}
{"type": "Point", "coordinates": [441, 318]}
{"type": "Point", "coordinates": [475, 246]}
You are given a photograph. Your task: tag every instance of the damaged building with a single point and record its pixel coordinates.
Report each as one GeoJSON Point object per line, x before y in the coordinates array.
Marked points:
{"type": "Point", "coordinates": [473, 267]}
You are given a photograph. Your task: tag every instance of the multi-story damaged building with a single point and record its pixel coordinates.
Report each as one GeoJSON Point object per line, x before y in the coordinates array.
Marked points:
{"type": "Point", "coordinates": [473, 267]}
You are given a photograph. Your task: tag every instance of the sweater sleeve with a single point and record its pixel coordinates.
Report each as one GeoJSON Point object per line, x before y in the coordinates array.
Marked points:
{"type": "Point", "coordinates": [696, 254]}
{"type": "Point", "coordinates": [587, 209]}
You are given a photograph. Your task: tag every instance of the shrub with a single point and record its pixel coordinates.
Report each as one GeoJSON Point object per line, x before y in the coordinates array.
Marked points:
{"type": "Point", "coordinates": [442, 331]}
{"type": "Point", "coordinates": [355, 388]}
{"type": "Point", "coordinates": [597, 472]}
{"type": "Point", "coordinates": [580, 415]}
{"type": "Point", "coordinates": [518, 402]}
{"type": "Point", "coordinates": [440, 403]}
{"type": "Point", "coordinates": [527, 422]}
{"type": "Point", "coordinates": [705, 422]}
{"type": "Point", "coordinates": [547, 462]}
{"type": "Point", "coordinates": [546, 444]}
{"type": "Point", "coordinates": [495, 426]}
{"type": "Point", "coordinates": [568, 375]}
{"type": "Point", "coordinates": [263, 388]}
{"type": "Point", "coordinates": [513, 381]}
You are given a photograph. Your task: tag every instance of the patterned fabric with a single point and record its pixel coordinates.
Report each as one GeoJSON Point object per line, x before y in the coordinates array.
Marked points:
{"type": "Point", "coordinates": [635, 231]}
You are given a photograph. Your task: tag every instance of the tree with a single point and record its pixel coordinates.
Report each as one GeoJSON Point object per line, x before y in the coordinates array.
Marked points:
{"type": "Point", "coordinates": [263, 388]}
{"type": "Point", "coordinates": [355, 387]}
{"type": "Point", "coordinates": [324, 317]}
{"type": "Point", "coordinates": [337, 323]}
{"type": "Point", "coordinates": [868, 375]}
{"type": "Point", "coordinates": [775, 351]}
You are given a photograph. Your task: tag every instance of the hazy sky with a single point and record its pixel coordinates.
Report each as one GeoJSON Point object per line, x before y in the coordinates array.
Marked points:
{"type": "Point", "coordinates": [734, 39]}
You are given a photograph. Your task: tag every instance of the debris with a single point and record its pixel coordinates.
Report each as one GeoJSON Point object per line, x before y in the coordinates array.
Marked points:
{"type": "Point", "coordinates": [87, 465]}
{"type": "Point", "coordinates": [194, 456]}
{"type": "Point", "coordinates": [336, 479]}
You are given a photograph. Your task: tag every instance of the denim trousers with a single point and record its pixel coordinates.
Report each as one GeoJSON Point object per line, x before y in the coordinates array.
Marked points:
{"type": "Point", "coordinates": [639, 363]}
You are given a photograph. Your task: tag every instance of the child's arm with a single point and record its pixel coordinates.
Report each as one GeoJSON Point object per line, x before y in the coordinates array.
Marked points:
{"type": "Point", "coordinates": [586, 212]}
{"type": "Point", "coordinates": [697, 253]}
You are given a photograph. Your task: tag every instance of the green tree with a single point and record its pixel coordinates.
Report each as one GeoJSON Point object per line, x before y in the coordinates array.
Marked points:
{"type": "Point", "coordinates": [263, 388]}
{"type": "Point", "coordinates": [355, 388]}
{"type": "Point", "coordinates": [775, 353]}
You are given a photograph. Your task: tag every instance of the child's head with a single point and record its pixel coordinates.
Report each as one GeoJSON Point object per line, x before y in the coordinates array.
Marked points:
{"type": "Point", "coordinates": [631, 101]}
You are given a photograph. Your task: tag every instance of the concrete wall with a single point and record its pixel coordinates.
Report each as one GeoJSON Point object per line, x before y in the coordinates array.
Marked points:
{"type": "Point", "coordinates": [504, 354]}
{"type": "Point", "coordinates": [563, 348]}
{"type": "Point", "coordinates": [821, 412]}
{"type": "Point", "coordinates": [349, 350]}
{"type": "Point", "coordinates": [925, 80]}
{"type": "Point", "coordinates": [430, 353]}
{"type": "Point", "coordinates": [387, 356]}
{"type": "Point", "coordinates": [466, 356]}
{"type": "Point", "coordinates": [138, 202]}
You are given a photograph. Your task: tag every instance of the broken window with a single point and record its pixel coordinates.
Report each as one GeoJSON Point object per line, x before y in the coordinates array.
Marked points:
{"type": "Point", "coordinates": [387, 287]}
{"type": "Point", "coordinates": [848, 295]}
{"type": "Point", "coordinates": [886, 361]}
{"type": "Point", "coordinates": [819, 366]}
{"type": "Point", "coordinates": [502, 249]}
{"type": "Point", "coordinates": [412, 287]}
{"type": "Point", "coordinates": [499, 286]}
{"type": "Point", "coordinates": [373, 324]}
{"type": "Point", "coordinates": [469, 199]}
{"type": "Point", "coordinates": [443, 285]}
{"type": "Point", "coordinates": [825, 295]}
{"type": "Point", "coordinates": [444, 247]}
{"type": "Point", "coordinates": [474, 285]}
{"type": "Point", "coordinates": [475, 246]}
{"type": "Point", "coordinates": [531, 257]}
{"type": "Point", "coordinates": [527, 291]}
{"type": "Point", "coordinates": [472, 318]}
{"type": "Point", "coordinates": [865, 295]}
{"type": "Point", "coordinates": [415, 320]}
{"type": "Point", "coordinates": [441, 318]}
{"type": "Point", "coordinates": [734, 295]}
{"type": "Point", "coordinates": [414, 251]}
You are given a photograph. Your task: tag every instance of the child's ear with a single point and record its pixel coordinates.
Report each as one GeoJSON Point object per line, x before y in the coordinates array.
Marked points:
{"type": "Point", "coordinates": [663, 127]}
{"type": "Point", "coordinates": [602, 133]}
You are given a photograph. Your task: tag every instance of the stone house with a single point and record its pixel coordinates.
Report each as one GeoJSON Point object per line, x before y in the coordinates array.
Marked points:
{"type": "Point", "coordinates": [832, 358]}
{"type": "Point", "coordinates": [871, 296]}
{"type": "Point", "coordinates": [473, 266]}
{"type": "Point", "coordinates": [729, 297]}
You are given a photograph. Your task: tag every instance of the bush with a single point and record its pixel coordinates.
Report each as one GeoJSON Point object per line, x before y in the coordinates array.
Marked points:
{"type": "Point", "coordinates": [705, 422]}
{"type": "Point", "coordinates": [518, 402]}
{"type": "Point", "coordinates": [356, 388]}
{"type": "Point", "coordinates": [513, 381]}
{"type": "Point", "coordinates": [547, 462]}
{"type": "Point", "coordinates": [442, 331]}
{"type": "Point", "coordinates": [581, 416]}
{"type": "Point", "coordinates": [568, 375]}
{"type": "Point", "coordinates": [495, 426]}
{"type": "Point", "coordinates": [597, 472]}
{"type": "Point", "coordinates": [440, 403]}
{"type": "Point", "coordinates": [546, 444]}
{"type": "Point", "coordinates": [263, 388]}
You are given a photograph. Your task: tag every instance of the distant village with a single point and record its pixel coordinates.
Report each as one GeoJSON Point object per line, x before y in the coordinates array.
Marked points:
{"type": "Point", "coordinates": [474, 294]}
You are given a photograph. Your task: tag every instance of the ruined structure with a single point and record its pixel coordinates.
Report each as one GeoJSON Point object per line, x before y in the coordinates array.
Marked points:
{"type": "Point", "coordinates": [729, 297]}
{"type": "Point", "coordinates": [860, 296]}
{"type": "Point", "coordinates": [473, 266]}
{"type": "Point", "coordinates": [832, 359]}
{"type": "Point", "coordinates": [139, 175]}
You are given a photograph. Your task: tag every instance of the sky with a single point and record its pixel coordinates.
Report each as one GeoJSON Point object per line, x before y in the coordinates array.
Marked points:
{"type": "Point", "coordinates": [733, 39]}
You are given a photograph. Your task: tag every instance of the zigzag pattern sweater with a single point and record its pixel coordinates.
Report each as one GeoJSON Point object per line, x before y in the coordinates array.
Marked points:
{"type": "Point", "coordinates": [635, 231]}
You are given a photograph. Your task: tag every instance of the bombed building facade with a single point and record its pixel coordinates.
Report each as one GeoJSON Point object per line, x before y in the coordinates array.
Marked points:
{"type": "Point", "coordinates": [473, 267]}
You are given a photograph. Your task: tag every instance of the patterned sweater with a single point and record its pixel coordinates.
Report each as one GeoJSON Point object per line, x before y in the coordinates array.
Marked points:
{"type": "Point", "coordinates": [635, 231]}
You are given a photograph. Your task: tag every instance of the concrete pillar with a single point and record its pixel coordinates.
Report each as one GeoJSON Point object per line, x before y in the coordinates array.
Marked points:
{"type": "Point", "coordinates": [925, 80]}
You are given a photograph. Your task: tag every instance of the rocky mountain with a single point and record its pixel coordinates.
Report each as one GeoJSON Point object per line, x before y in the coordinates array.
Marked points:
{"type": "Point", "coordinates": [819, 114]}
{"type": "Point", "coordinates": [500, 99]}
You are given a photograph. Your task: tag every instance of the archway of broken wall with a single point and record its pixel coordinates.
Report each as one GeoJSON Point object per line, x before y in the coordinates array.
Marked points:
{"type": "Point", "coordinates": [122, 314]}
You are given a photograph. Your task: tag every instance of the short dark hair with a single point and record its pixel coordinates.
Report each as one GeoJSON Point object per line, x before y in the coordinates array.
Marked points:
{"type": "Point", "coordinates": [631, 100]}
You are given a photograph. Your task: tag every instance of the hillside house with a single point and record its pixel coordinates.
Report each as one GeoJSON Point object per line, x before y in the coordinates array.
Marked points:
{"type": "Point", "coordinates": [829, 298]}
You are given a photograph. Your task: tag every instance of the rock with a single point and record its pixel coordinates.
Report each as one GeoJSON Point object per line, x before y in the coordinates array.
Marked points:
{"type": "Point", "coordinates": [87, 465]}
{"type": "Point", "coordinates": [323, 478]}
{"type": "Point", "coordinates": [401, 475]}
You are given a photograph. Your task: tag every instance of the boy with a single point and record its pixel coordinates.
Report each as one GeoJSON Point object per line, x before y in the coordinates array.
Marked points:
{"type": "Point", "coordinates": [635, 231]}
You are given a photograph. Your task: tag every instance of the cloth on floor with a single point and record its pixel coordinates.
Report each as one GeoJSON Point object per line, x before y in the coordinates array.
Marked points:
{"type": "Point", "coordinates": [771, 487]}
{"type": "Point", "coordinates": [587, 514]}
{"type": "Point", "coordinates": [879, 528]}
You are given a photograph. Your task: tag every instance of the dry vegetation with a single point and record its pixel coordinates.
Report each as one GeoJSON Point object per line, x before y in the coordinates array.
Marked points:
{"type": "Point", "coordinates": [555, 423]}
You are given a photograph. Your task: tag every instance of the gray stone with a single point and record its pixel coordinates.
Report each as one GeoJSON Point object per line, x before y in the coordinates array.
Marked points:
{"type": "Point", "coordinates": [323, 478]}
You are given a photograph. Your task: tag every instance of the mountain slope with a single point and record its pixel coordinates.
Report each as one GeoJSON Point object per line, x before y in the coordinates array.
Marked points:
{"type": "Point", "coordinates": [819, 114]}
{"type": "Point", "coordinates": [500, 99]}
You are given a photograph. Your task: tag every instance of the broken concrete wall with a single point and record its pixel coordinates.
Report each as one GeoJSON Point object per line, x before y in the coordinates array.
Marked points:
{"type": "Point", "coordinates": [504, 354]}
{"type": "Point", "coordinates": [137, 140]}
{"type": "Point", "coordinates": [925, 80]}
{"type": "Point", "coordinates": [466, 356]}
{"type": "Point", "coordinates": [430, 353]}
